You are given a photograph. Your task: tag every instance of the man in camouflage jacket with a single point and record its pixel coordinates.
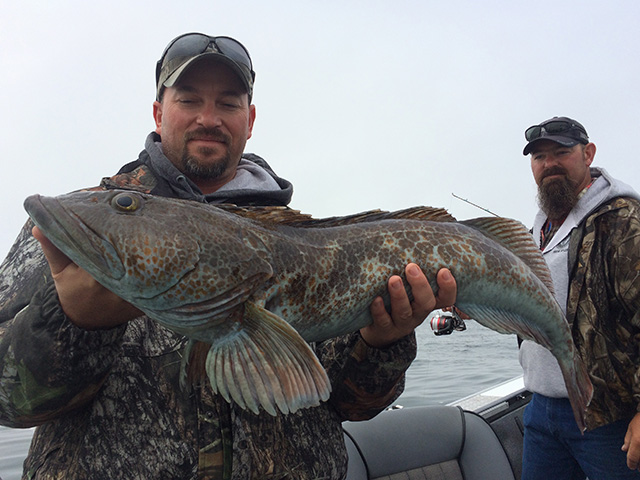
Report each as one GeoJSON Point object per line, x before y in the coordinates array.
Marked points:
{"type": "Point", "coordinates": [588, 229]}
{"type": "Point", "coordinates": [101, 380]}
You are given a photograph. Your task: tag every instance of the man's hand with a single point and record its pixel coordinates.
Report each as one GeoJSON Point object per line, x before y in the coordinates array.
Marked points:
{"type": "Point", "coordinates": [84, 301]}
{"type": "Point", "coordinates": [405, 315]}
{"type": "Point", "coordinates": [632, 443]}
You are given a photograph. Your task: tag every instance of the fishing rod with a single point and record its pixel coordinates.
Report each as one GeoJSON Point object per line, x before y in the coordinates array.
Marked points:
{"type": "Point", "coordinates": [447, 321]}
{"type": "Point", "coordinates": [477, 206]}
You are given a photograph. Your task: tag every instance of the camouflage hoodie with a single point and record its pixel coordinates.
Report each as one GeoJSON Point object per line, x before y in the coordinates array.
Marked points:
{"type": "Point", "coordinates": [109, 405]}
{"type": "Point", "coordinates": [595, 263]}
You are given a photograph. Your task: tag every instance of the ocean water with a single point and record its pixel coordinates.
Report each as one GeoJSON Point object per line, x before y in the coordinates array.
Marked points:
{"type": "Point", "coordinates": [447, 368]}
{"type": "Point", "coordinates": [451, 367]}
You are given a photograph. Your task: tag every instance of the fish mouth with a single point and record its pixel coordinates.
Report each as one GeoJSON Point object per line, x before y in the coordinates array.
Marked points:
{"type": "Point", "coordinates": [71, 236]}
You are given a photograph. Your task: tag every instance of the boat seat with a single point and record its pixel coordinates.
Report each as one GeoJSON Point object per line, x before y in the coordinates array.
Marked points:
{"type": "Point", "coordinates": [420, 443]}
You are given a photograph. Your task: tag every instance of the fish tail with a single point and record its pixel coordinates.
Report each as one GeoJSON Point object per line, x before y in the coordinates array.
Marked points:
{"type": "Point", "coordinates": [266, 364]}
{"type": "Point", "coordinates": [579, 388]}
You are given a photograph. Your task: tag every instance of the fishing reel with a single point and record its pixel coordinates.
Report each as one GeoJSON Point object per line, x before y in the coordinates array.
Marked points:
{"type": "Point", "coordinates": [445, 323]}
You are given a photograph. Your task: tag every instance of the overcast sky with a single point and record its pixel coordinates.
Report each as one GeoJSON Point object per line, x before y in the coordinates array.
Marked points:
{"type": "Point", "coordinates": [361, 104]}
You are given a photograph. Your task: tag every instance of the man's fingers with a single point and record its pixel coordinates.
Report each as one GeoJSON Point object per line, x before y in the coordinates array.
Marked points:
{"type": "Point", "coordinates": [447, 289]}
{"type": "Point", "coordinates": [400, 304]}
{"type": "Point", "coordinates": [632, 460]}
{"type": "Point", "coordinates": [379, 313]}
{"type": "Point", "coordinates": [58, 261]}
{"type": "Point", "coordinates": [407, 314]}
{"type": "Point", "coordinates": [423, 298]}
{"type": "Point", "coordinates": [632, 443]}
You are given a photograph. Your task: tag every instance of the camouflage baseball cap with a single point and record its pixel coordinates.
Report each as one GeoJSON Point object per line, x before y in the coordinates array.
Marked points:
{"type": "Point", "coordinates": [189, 48]}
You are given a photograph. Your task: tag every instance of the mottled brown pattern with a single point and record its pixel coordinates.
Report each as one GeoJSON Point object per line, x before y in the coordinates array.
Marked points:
{"type": "Point", "coordinates": [604, 307]}
{"type": "Point", "coordinates": [110, 405]}
{"type": "Point", "coordinates": [218, 262]}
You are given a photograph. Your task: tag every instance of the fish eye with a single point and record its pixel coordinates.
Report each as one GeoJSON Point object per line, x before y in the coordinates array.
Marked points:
{"type": "Point", "coordinates": [126, 202]}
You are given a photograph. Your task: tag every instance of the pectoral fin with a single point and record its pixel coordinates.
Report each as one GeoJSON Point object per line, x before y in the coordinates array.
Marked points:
{"type": "Point", "coordinates": [267, 364]}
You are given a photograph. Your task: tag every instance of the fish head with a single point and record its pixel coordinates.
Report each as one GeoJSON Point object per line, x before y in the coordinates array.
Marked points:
{"type": "Point", "coordinates": [124, 239]}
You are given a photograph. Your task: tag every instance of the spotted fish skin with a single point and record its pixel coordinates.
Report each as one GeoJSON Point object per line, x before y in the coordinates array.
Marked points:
{"type": "Point", "coordinates": [258, 284]}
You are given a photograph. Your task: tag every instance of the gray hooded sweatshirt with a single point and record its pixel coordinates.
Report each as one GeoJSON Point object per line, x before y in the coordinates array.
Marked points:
{"type": "Point", "coordinates": [255, 182]}
{"type": "Point", "coordinates": [541, 370]}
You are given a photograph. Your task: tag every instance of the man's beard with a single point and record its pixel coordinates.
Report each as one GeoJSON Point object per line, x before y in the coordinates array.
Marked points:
{"type": "Point", "coordinates": [557, 197]}
{"type": "Point", "coordinates": [191, 165]}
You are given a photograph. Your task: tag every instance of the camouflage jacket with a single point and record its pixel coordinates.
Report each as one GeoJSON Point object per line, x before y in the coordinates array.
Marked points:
{"type": "Point", "coordinates": [603, 307]}
{"type": "Point", "coordinates": [108, 403]}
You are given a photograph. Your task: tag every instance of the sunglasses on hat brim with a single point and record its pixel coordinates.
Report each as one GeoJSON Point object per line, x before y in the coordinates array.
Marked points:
{"type": "Point", "coordinates": [193, 44]}
{"type": "Point", "coordinates": [556, 127]}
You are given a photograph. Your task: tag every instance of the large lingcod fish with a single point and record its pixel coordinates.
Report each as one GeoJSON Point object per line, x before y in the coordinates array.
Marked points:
{"type": "Point", "coordinates": [258, 283]}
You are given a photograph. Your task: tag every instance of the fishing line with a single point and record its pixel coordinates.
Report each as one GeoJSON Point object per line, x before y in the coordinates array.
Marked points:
{"type": "Point", "coordinates": [477, 206]}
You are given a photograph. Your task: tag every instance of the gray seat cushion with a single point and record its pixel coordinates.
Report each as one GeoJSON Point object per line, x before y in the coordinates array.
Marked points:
{"type": "Point", "coordinates": [433, 442]}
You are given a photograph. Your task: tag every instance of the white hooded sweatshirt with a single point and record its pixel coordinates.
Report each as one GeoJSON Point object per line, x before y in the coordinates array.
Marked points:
{"type": "Point", "coordinates": [541, 370]}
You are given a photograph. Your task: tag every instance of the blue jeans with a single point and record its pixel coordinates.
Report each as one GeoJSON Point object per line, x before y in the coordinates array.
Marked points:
{"type": "Point", "coordinates": [554, 449]}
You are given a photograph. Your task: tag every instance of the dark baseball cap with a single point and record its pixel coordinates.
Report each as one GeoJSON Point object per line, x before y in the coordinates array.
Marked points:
{"type": "Point", "coordinates": [190, 48]}
{"type": "Point", "coordinates": [563, 130]}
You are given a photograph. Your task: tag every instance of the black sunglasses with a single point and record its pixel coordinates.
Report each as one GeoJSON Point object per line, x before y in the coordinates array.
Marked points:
{"type": "Point", "coordinates": [552, 128]}
{"type": "Point", "coordinates": [192, 44]}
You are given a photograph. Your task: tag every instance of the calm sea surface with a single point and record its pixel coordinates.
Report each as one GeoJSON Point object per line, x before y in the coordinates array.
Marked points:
{"type": "Point", "coordinates": [447, 368]}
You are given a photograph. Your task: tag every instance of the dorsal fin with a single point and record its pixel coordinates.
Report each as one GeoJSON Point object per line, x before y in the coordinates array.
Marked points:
{"type": "Point", "coordinates": [276, 215]}
{"type": "Point", "coordinates": [516, 237]}
{"type": "Point", "coordinates": [287, 216]}
{"type": "Point", "coordinates": [413, 213]}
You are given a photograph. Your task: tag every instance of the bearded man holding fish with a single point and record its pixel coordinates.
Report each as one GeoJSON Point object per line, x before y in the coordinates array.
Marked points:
{"type": "Point", "coordinates": [102, 381]}
{"type": "Point", "coordinates": [588, 229]}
